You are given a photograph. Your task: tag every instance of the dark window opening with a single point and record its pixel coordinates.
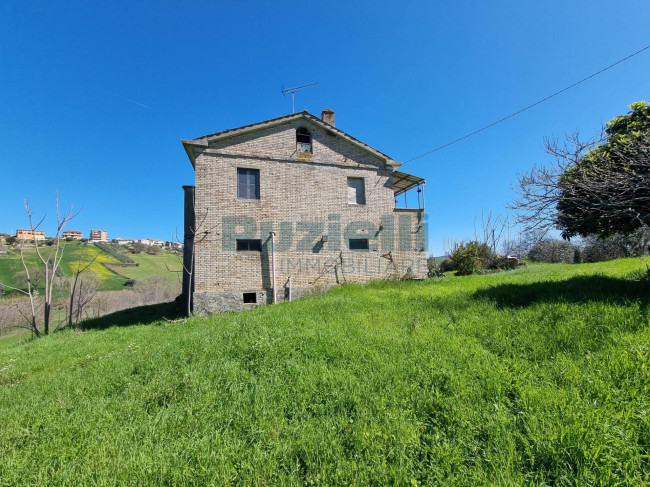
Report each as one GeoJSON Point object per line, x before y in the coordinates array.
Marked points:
{"type": "Point", "coordinates": [250, 297]}
{"type": "Point", "coordinates": [303, 140]}
{"type": "Point", "coordinates": [356, 191]}
{"type": "Point", "coordinates": [359, 244]}
{"type": "Point", "coordinates": [254, 245]}
{"type": "Point", "coordinates": [248, 183]}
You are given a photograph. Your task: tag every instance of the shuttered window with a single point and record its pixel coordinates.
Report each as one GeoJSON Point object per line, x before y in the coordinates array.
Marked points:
{"type": "Point", "coordinates": [248, 183]}
{"type": "Point", "coordinates": [356, 191]}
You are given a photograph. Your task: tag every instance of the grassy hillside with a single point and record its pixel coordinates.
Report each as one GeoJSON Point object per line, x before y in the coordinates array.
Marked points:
{"type": "Point", "coordinates": [534, 376]}
{"type": "Point", "coordinates": [154, 265]}
{"type": "Point", "coordinates": [106, 267]}
{"type": "Point", "coordinates": [11, 264]}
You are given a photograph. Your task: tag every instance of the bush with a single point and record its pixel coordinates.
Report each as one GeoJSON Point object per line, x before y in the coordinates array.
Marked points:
{"type": "Point", "coordinates": [470, 257]}
{"type": "Point", "coordinates": [152, 250]}
{"type": "Point", "coordinates": [137, 248]}
{"type": "Point", "coordinates": [446, 265]}
{"type": "Point", "coordinates": [617, 246]}
{"type": "Point", "coordinates": [554, 251]}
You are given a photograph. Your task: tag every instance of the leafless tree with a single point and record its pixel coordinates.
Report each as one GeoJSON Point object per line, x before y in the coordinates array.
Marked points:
{"type": "Point", "coordinates": [585, 190]}
{"type": "Point", "coordinates": [50, 261]}
{"type": "Point", "coordinates": [539, 189]}
{"type": "Point", "coordinates": [199, 232]}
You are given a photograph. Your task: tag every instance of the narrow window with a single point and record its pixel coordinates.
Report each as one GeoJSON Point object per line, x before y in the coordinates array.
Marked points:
{"type": "Point", "coordinates": [252, 245]}
{"type": "Point", "coordinates": [248, 183]}
{"type": "Point", "coordinates": [359, 244]}
{"type": "Point", "coordinates": [356, 191]}
{"type": "Point", "coordinates": [250, 297]}
{"type": "Point", "coordinates": [303, 140]}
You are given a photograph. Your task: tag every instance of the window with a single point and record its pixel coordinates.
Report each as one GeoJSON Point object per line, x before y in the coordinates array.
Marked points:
{"type": "Point", "coordinates": [359, 244]}
{"type": "Point", "coordinates": [250, 297]}
{"type": "Point", "coordinates": [303, 140]}
{"type": "Point", "coordinates": [248, 183]}
{"type": "Point", "coordinates": [356, 191]}
{"type": "Point", "coordinates": [253, 245]}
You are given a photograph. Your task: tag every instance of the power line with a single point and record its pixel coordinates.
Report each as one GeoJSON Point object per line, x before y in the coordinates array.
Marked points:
{"type": "Point", "coordinates": [529, 106]}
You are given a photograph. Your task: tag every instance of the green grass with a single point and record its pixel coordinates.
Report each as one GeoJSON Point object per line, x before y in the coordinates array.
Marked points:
{"type": "Point", "coordinates": [163, 264]}
{"type": "Point", "coordinates": [107, 268]}
{"type": "Point", "coordinates": [535, 376]}
{"type": "Point", "coordinates": [11, 264]}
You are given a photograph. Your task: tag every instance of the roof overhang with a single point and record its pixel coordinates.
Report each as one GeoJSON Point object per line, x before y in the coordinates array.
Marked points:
{"type": "Point", "coordinates": [204, 142]}
{"type": "Point", "coordinates": [403, 182]}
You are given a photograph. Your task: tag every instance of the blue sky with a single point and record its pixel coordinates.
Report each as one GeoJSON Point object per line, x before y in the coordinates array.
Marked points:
{"type": "Point", "coordinates": [95, 97]}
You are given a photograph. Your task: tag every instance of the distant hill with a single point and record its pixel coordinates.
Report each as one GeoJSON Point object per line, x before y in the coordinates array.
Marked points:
{"type": "Point", "coordinates": [112, 273]}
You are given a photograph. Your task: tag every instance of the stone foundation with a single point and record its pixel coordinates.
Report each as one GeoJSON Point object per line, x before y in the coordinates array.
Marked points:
{"type": "Point", "coordinates": [221, 301]}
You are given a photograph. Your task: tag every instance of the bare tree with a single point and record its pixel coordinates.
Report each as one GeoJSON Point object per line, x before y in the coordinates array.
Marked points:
{"type": "Point", "coordinates": [195, 232]}
{"type": "Point", "coordinates": [600, 186]}
{"type": "Point", "coordinates": [539, 190]}
{"type": "Point", "coordinates": [50, 261]}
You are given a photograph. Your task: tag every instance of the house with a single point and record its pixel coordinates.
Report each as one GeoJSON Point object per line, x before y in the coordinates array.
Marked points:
{"type": "Point", "coordinates": [28, 234]}
{"type": "Point", "coordinates": [72, 235]}
{"type": "Point", "coordinates": [124, 241]}
{"type": "Point", "coordinates": [287, 206]}
{"type": "Point", "coordinates": [150, 242]}
{"type": "Point", "coordinates": [98, 236]}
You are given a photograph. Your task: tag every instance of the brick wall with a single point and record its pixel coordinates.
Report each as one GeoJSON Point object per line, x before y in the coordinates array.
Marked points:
{"type": "Point", "coordinates": [302, 198]}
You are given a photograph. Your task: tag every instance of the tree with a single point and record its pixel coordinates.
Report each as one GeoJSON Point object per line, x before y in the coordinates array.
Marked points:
{"type": "Point", "coordinates": [49, 259]}
{"type": "Point", "coordinates": [595, 187]}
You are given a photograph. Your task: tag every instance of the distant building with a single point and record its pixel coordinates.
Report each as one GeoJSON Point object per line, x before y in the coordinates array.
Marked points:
{"type": "Point", "coordinates": [124, 241]}
{"type": "Point", "coordinates": [72, 235]}
{"type": "Point", "coordinates": [98, 236]}
{"type": "Point", "coordinates": [28, 234]}
{"type": "Point", "coordinates": [157, 243]}
{"type": "Point", "coordinates": [150, 242]}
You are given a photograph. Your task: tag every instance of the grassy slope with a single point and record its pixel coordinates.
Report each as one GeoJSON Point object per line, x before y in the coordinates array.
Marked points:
{"type": "Point", "coordinates": [11, 264]}
{"type": "Point", "coordinates": [153, 265]}
{"type": "Point", "coordinates": [536, 376]}
{"type": "Point", "coordinates": [111, 278]}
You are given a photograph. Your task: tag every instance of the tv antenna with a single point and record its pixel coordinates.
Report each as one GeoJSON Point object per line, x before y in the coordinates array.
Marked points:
{"type": "Point", "coordinates": [293, 94]}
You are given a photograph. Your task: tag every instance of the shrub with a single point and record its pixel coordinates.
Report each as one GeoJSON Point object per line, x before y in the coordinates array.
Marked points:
{"type": "Point", "coordinates": [152, 250]}
{"type": "Point", "coordinates": [446, 265]}
{"type": "Point", "coordinates": [617, 246]}
{"type": "Point", "coordinates": [470, 257]}
{"type": "Point", "coordinates": [434, 268]}
{"type": "Point", "coordinates": [137, 247]}
{"type": "Point", "coordinates": [553, 250]}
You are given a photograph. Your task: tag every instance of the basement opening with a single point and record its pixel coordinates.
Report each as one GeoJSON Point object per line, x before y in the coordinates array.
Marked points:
{"type": "Point", "coordinates": [250, 298]}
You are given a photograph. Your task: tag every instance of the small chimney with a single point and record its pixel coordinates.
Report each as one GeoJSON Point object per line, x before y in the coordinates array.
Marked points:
{"type": "Point", "coordinates": [328, 116]}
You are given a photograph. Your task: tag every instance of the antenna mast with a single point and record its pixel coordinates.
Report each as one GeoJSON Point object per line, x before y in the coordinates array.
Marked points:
{"type": "Point", "coordinates": [293, 93]}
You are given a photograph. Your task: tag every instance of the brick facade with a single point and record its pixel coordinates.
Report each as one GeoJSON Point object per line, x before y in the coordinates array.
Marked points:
{"type": "Point", "coordinates": [304, 201]}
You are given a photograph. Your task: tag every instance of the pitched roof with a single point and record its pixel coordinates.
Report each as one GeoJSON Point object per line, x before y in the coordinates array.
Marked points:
{"type": "Point", "coordinates": [402, 181]}
{"type": "Point", "coordinates": [204, 140]}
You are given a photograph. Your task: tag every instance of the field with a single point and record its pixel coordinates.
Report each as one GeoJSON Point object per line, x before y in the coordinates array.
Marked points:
{"type": "Point", "coordinates": [105, 267]}
{"type": "Point", "coordinates": [538, 376]}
